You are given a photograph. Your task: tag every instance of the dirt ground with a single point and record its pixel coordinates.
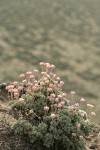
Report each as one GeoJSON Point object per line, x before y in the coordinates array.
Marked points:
{"type": "Point", "coordinates": [10, 141]}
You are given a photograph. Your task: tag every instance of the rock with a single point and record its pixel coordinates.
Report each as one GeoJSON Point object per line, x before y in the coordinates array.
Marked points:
{"type": "Point", "coordinates": [98, 138]}
{"type": "Point", "coordinates": [3, 92]}
{"type": "Point", "coordinates": [93, 146]}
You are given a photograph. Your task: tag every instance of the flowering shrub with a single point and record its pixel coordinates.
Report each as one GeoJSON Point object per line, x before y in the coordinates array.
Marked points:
{"type": "Point", "coordinates": [44, 114]}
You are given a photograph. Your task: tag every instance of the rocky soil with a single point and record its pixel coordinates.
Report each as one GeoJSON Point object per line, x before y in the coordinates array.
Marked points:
{"type": "Point", "coordinates": [10, 141]}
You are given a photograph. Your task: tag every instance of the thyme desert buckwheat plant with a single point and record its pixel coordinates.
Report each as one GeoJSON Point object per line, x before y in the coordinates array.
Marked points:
{"type": "Point", "coordinates": [44, 114]}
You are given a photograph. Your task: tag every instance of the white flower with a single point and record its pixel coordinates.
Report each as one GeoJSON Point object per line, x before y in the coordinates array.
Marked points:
{"type": "Point", "coordinates": [93, 114]}
{"type": "Point", "coordinates": [53, 115]}
{"type": "Point", "coordinates": [90, 106]}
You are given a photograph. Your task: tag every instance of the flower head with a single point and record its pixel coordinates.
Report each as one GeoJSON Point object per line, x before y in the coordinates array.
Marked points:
{"type": "Point", "coordinates": [90, 106]}
{"type": "Point", "coordinates": [36, 70]}
{"type": "Point", "coordinates": [22, 75]}
{"type": "Point", "coordinates": [62, 103]}
{"type": "Point", "coordinates": [42, 63]}
{"type": "Point", "coordinates": [76, 104]}
{"type": "Point", "coordinates": [31, 111]}
{"type": "Point", "coordinates": [52, 66]}
{"type": "Point", "coordinates": [82, 100]}
{"type": "Point", "coordinates": [15, 90]}
{"type": "Point", "coordinates": [78, 126]}
{"type": "Point", "coordinates": [28, 73]}
{"type": "Point", "coordinates": [53, 115]}
{"type": "Point", "coordinates": [73, 134]}
{"type": "Point", "coordinates": [20, 88]}
{"type": "Point", "coordinates": [70, 108]}
{"type": "Point", "coordinates": [21, 100]}
{"type": "Point", "coordinates": [59, 105]}
{"type": "Point", "coordinates": [16, 94]}
{"type": "Point", "coordinates": [15, 83]}
{"type": "Point", "coordinates": [24, 82]}
{"type": "Point", "coordinates": [93, 113]}
{"type": "Point", "coordinates": [72, 92]}
{"type": "Point", "coordinates": [46, 108]}
{"type": "Point", "coordinates": [32, 76]}
{"type": "Point", "coordinates": [64, 95]}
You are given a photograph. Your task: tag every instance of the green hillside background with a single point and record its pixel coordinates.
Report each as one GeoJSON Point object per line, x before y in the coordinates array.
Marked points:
{"type": "Point", "coordinates": [63, 32]}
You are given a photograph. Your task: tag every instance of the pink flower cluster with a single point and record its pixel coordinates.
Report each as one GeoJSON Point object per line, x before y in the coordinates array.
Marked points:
{"type": "Point", "coordinates": [49, 83]}
{"type": "Point", "coordinates": [14, 89]}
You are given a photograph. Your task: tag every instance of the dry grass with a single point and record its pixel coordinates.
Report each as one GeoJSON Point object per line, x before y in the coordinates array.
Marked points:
{"type": "Point", "coordinates": [53, 31]}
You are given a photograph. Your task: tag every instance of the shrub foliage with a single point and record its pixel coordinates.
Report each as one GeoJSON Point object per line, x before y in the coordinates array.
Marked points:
{"type": "Point", "coordinates": [44, 114]}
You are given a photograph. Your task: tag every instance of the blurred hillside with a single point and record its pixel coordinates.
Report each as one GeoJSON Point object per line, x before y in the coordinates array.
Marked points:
{"type": "Point", "coordinates": [63, 32]}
